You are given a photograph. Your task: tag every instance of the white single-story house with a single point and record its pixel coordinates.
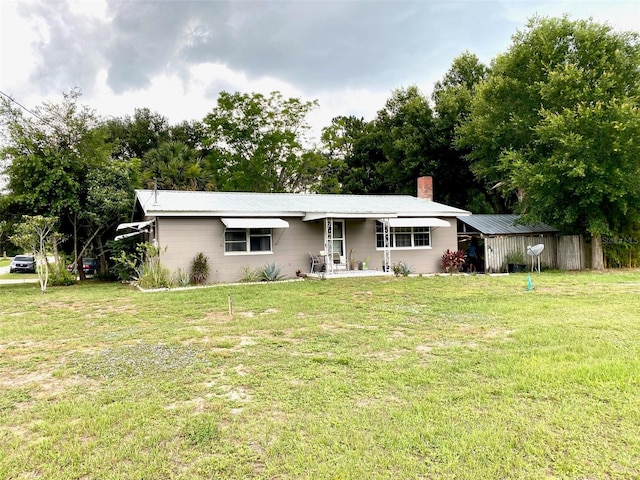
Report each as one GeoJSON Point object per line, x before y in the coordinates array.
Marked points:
{"type": "Point", "coordinates": [236, 230]}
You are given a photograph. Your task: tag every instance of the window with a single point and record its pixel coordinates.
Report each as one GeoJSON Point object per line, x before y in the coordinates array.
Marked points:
{"type": "Point", "coordinates": [404, 237]}
{"type": "Point", "coordinates": [247, 240]}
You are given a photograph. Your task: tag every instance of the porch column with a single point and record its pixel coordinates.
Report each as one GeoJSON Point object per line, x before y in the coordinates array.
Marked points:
{"type": "Point", "coordinates": [386, 245]}
{"type": "Point", "coordinates": [328, 244]}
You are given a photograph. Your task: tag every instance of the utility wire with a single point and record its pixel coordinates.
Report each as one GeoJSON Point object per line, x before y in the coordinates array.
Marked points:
{"type": "Point", "coordinates": [11, 99]}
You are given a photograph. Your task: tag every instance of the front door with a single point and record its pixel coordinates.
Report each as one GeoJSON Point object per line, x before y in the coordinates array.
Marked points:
{"type": "Point", "coordinates": [338, 240]}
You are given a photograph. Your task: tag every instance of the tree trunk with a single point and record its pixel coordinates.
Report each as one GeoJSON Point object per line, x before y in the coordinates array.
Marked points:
{"type": "Point", "coordinates": [597, 254]}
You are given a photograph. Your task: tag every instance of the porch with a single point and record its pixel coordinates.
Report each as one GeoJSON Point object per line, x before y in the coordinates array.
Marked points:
{"type": "Point", "coordinates": [348, 274]}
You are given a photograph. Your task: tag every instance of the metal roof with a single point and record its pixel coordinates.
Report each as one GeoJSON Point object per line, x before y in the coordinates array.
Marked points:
{"type": "Point", "coordinates": [499, 224]}
{"type": "Point", "coordinates": [308, 206]}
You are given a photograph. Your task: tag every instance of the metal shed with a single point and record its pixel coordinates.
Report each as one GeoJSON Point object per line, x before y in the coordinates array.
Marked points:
{"type": "Point", "coordinates": [501, 235]}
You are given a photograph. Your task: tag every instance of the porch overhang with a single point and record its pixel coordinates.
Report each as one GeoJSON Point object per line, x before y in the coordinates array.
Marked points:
{"type": "Point", "coordinates": [417, 222]}
{"type": "Point", "coordinates": [245, 222]}
{"type": "Point", "coordinates": [138, 229]}
{"type": "Point", "coordinates": [324, 215]}
{"type": "Point", "coordinates": [135, 225]}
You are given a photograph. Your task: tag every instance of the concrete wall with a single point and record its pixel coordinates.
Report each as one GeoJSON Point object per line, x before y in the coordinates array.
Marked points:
{"type": "Point", "coordinates": [184, 238]}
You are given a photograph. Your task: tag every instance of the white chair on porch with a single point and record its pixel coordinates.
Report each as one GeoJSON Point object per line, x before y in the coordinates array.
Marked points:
{"type": "Point", "coordinates": [315, 261]}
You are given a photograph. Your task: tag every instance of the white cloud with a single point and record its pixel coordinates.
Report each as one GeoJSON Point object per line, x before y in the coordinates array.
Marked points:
{"type": "Point", "coordinates": [174, 57]}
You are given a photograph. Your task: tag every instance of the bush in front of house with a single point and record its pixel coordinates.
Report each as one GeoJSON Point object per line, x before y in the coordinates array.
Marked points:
{"type": "Point", "coordinates": [452, 261]}
{"type": "Point", "coordinates": [250, 274]}
{"type": "Point", "coordinates": [181, 278]}
{"type": "Point", "coordinates": [60, 277]}
{"type": "Point", "coordinates": [199, 269]}
{"type": "Point", "coordinates": [270, 273]}
{"type": "Point", "coordinates": [401, 269]}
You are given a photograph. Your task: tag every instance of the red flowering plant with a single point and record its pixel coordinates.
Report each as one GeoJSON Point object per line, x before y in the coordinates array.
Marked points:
{"type": "Point", "coordinates": [452, 261]}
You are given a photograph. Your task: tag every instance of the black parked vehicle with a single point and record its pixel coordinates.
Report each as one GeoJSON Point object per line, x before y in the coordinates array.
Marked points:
{"type": "Point", "coordinates": [23, 263]}
{"type": "Point", "coordinates": [89, 265]}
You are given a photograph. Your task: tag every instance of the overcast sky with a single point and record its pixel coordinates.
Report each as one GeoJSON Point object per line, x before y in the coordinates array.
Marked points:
{"type": "Point", "coordinates": [174, 57]}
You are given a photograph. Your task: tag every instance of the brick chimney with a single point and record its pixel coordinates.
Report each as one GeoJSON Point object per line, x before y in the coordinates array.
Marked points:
{"type": "Point", "coordinates": [425, 188]}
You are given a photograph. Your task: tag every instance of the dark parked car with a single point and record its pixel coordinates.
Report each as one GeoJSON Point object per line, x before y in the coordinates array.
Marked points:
{"type": "Point", "coordinates": [23, 263]}
{"type": "Point", "coordinates": [89, 265]}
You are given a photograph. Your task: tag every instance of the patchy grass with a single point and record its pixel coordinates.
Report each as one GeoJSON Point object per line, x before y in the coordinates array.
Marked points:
{"type": "Point", "coordinates": [18, 276]}
{"type": "Point", "coordinates": [449, 377]}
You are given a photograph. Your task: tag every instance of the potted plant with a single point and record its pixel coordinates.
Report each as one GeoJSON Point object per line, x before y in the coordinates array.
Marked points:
{"type": "Point", "coordinates": [515, 262]}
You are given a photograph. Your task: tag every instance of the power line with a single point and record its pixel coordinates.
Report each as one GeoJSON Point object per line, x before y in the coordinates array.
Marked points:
{"type": "Point", "coordinates": [11, 99]}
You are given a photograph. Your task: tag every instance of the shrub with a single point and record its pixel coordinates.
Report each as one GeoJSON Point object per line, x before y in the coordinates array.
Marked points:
{"type": "Point", "coordinates": [154, 275]}
{"type": "Point", "coordinates": [452, 261]}
{"type": "Point", "coordinates": [126, 266]}
{"type": "Point", "coordinates": [145, 267]}
{"type": "Point", "coordinates": [60, 277]}
{"type": "Point", "coordinates": [401, 269]}
{"type": "Point", "coordinates": [199, 269]}
{"type": "Point", "coordinates": [250, 274]}
{"type": "Point", "coordinates": [271, 273]}
{"type": "Point", "coordinates": [182, 278]}
{"type": "Point", "coordinates": [515, 257]}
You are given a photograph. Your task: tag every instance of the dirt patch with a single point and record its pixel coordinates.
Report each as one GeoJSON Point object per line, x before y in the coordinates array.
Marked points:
{"type": "Point", "coordinates": [108, 310]}
{"type": "Point", "coordinates": [235, 394]}
{"type": "Point", "coordinates": [42, 383]}
{"type": "Point", "coordinates": [389, 355]}
{"type": "Point", "coordinates": [196, 405]}
{"type": "Point", "coordinates": [216, 317]}
{"type": "Point", "coordinates": [398, 334]}
{"type": "Point", "coordinates": [446, 344]}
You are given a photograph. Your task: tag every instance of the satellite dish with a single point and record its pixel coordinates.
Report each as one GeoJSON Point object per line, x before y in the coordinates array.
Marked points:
{"type": "Point", "coordinates": [535, 251]}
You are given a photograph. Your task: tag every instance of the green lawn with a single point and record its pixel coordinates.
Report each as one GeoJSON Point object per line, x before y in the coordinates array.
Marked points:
{"type": "Point", "coordinates": [464, 377]}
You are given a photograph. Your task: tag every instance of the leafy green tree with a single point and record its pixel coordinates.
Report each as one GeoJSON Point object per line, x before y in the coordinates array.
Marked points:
{"type": "Point", "coordinates": [132, 137]}
{"type": "Point", "coordinates": [338, 141]}
{"type": "Point", "coordinates": [36, 234]}
{"type": "Point", "coordinates": [406, 126]}
{"type": "Point", "coordinates": [387, 154]}
{"type": "Point", "coordinates": [258, 143]}
{"type": "Point", "coordinates": [557, 123]}
{"type": "Point", "coordinates": [108, 202]}
{"type": "Point", "coordinates": [49, 155]}
{"type": "Point", "coordinates": [176, 166]}
{"type": "Point", "coordinates": [455, 183]}
{"type": "Point", "coordinates": [60, 166]}
{"type": "Point", "coordinates": [4, 229]}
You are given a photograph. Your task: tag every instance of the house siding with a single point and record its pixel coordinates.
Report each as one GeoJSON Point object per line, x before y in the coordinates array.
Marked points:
{"type": "Point", "coordinates": [181, 239]}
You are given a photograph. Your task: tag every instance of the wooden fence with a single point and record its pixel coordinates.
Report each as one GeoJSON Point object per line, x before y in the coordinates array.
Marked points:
{"type": "Point", "coordinates": [564, 252]}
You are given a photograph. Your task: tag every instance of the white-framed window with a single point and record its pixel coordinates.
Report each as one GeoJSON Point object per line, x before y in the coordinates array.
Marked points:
{"type": "Point", "coordinates": [404, 237]}
{"type": "Point", "coordinates": [247, 240]}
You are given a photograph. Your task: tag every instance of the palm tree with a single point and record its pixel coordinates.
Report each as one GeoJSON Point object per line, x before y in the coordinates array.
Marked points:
{"type": "Point", "coordinates": [176, 166]}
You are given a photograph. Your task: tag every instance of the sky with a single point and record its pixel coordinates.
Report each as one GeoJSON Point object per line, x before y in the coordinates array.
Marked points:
{"type": "Point", "coordinates": [175, 57]}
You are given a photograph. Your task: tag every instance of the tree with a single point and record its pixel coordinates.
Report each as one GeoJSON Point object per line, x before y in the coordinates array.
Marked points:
{"type": "Point", "coordinates": [132, 137]}
{"type": "Point", "coordinates": [387, 154]}
{"type": "Point", "coordinates": [108, 202]}
{"type": "Point", "coordinates": [339, 140]}
{"type": "Point", "coordinates": [557, 122]}
{"type": "Point", "coordinates": [406, 126]}
{"type": "Point", "coordinates": [36, 234]}
{"type": "Point", "coordinates": [257, 143]}
{"type": "Point", "coordinates": [56, 158]}
{"type": "Point", "coordinates": [176, 166]}
{"type": "Point", "coordinates": [49, 155]}
{"type": "Point", "coordinates": [456, 184]}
